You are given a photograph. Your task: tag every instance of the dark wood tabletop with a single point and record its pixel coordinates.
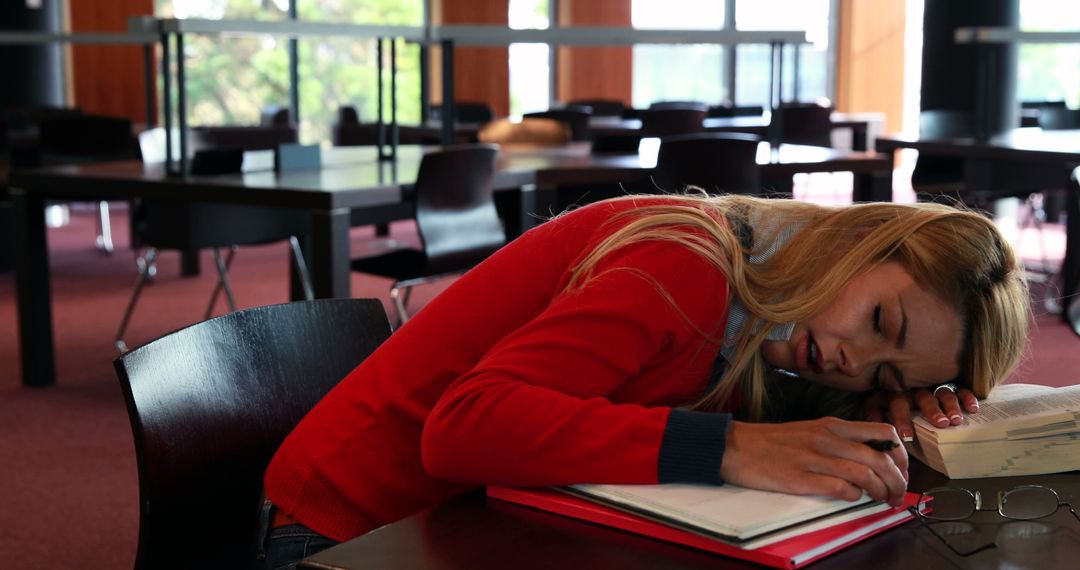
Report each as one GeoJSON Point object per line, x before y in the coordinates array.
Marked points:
{"type": "Point", "coordinates": [353, 184]}
{"type": "Point", "coordinates": [473, 532]}
{"type": "Point", "coordinates": [755, 125]}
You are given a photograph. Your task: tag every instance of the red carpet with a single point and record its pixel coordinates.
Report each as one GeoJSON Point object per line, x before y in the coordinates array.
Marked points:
{"type": "Point", "coordinates": [67, 466]}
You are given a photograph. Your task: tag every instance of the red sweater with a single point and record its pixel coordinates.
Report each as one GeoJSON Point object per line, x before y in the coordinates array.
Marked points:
{"type": "Point", "coordinates": [503, 379]}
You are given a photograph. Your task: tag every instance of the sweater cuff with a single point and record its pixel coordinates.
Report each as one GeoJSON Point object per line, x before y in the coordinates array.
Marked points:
{"type": "Point", "coordinates": [693, 447]}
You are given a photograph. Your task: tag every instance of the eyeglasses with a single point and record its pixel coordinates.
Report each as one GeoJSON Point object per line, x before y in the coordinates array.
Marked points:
{"type": "Point", "coordinates": [952, 504]}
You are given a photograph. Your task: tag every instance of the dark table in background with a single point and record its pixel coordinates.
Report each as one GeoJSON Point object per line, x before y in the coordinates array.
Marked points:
{"type": "Point", "coordinates": [859, 124]}
{"type": "Point", "coordinates": [476, 533]}
{"type": "Point", "coordinates": [1024, 159]}
{"type": "Point", "coordinates": [352, 188]}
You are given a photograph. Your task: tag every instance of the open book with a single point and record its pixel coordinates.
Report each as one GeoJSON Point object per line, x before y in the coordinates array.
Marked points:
{"type": "Point", "coordinates": [778, 530]}
{"type": "Point", "coordinates": [1021, 429]}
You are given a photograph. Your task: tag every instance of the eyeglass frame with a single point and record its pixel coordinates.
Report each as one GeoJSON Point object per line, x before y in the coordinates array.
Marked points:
{"type": "Point", "coordinates": [976, 499]}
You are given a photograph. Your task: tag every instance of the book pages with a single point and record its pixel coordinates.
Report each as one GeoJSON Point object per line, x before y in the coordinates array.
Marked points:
{"type": "Point", "coordinates": [1022, 429]}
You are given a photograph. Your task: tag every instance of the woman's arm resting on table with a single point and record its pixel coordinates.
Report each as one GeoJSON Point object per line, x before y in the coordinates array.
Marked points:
{"type": "Point", "coordinates": [826, 456]}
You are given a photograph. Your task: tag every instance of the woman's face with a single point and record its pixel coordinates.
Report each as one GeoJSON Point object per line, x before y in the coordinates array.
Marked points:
{"type": "Point", "coordinates": [883, 330]}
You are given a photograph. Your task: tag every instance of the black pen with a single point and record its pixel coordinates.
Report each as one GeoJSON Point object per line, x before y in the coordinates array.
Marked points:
{"type": "Point", "coordinates": [881, 444]}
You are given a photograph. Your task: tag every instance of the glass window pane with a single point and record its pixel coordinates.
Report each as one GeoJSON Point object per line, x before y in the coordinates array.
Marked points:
{"type": "Point", "coordinates": [530, 85]}
{"type": "Point", "coordinates": [752, 61]}
{"type": "Point", "coordinates": [678, 72]}
{"type": "Point", "coordinates": [1049, 72]}
{"type": "Point", "coordinates": [230, 79]}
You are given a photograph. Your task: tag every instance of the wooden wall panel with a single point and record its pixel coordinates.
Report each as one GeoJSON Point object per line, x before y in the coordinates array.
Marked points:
{"type": "Point", "coordinates": [480, 74]}
{"type": "Point", "coordinates": [595, 72]}
{"type": "Point", "coordinates": [108, 80]}
{"type": "Point", "coordinates": [870, 59]}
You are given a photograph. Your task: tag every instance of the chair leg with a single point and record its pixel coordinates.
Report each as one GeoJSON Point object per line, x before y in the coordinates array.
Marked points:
{"type": "Point", "coordinates": [302, 268]}
{"type": "Point", "coordinates": [144, 275]}
{"type": "Point", "coordinates": [104, 237]}
{"type": "Point", "coordinates": [223, 281]}
{"type": "Point", "coordinates": [400, 295]}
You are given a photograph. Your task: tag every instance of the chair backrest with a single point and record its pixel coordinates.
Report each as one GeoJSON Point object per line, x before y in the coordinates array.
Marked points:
{"type": "Point", "coordinates": [209, 405]}
{"type": "Point", "coordinates": [716, 162]}
{"type": "Point", "coordinates": [673, 121]}
{"type": "Point", "coordinates": [347, 115]}
{"type": "Point", "coordinates": [1051, 118]}
{"type": "Point", "coordinates": [90, 137]}
{"type": "Point", "coordinates": [261, 137]}
{"type": "Point", "coordinates": [275, 116]}
{"type": "Point", "coordinates": [467, 112]}
{"type": "Point", "coordinates": [941, 174]}
{"type": "Point", "coordinates": [601, 107]}
{"type": "Point", "coordinates": [728, 110]}
{"type": "Point", "coordinates": [678, 105]}
{"type": "Point", "coordinates": [576, 118]}
{"type": "Point", "coordinates": [455, 208]}
{"type": "Point", "coordinates": [946, 123]}
{"type": "Point", "coordinates": [805, 123]}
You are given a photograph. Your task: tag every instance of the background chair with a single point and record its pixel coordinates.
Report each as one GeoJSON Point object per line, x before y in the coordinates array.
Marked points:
{"type": "Point", "coordinates": [467, 112]}
{"type": "Point", "coordinates": [192, 227]}
{"type": "Point", "coordinates": [456, 217]}
{"type": "Point", "coordinates": [673, 120]}
{"type": "Point", "coordinates": [803, 123]}
{"type": "Point", "coordinates": [210, 404]}
{"type": "Point", "coordinates": [601, 107]}
{"type": "Point", "coordinates": [575, 117]}
{"type": "Point", "coordinates": [716, 162]}
{"type": "Point", "coordinates": [72, 137]}
{"type": "Point", "coordinates": [728, 110]}
{"type": "Point", "coordinates": [1059, 117]}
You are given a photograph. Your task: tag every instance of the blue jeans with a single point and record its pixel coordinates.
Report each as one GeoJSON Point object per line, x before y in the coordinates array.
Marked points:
{"type": "Point", "coordinates": [281, 548]}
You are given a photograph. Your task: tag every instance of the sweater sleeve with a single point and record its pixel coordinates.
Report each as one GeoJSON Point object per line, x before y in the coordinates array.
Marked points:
{"type": "Point", "coordinates": [535, 409]}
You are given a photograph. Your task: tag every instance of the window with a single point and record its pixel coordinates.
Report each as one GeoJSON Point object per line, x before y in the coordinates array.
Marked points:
{"type": "Point", "coordinates": [752, 61]}
{"type": "Point", "coordinates": [230, 79]}
{"type": "Point", "coordinates": [530, 77]}
{"type": "Point", "coordinates": [678, 72]}
{"type": "Point", "coordinates": [1049, 72]}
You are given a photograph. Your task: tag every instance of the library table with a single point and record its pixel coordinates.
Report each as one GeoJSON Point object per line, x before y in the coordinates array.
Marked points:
{"type": "Point", "coordinates": [476, 533]}
{"type": "Point", "coordinates": [352, 187]}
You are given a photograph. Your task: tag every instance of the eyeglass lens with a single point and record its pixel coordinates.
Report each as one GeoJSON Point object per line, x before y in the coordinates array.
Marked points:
{"type": "Point", "coordinates": [950, 504]}
{"type": "Point", "coordinates": [1028, 502]}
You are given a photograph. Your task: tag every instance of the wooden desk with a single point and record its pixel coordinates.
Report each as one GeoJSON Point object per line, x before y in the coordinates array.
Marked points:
{"type": "Point", "coordinates": [1025, 159]}
{"type": "Point", "coordinates": [352, 187]}
{"type": "Point", "coordinates": [755, 125]}
{"type": "Point", "coordinates": [475, 533]}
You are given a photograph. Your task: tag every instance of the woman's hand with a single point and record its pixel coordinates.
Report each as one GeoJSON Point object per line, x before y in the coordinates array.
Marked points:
{"type": "Point", "coordinates": [828, 456]}
{"type": "Point", "coordinates": [943, 409]}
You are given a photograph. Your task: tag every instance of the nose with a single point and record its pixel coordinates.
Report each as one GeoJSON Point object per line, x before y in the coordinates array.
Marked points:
{"type": "Point", "coordinates": [851, 359]}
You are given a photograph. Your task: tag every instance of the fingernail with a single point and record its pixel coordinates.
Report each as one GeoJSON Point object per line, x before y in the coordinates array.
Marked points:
{"type": "Point", "coordinates": [907, 437]}
{"type": "Point", "coordinates": [956, 419]}
{"type": "Point", "coordinates": [975, 406]}
{"type": "Point", "coordinates": [941, 420]}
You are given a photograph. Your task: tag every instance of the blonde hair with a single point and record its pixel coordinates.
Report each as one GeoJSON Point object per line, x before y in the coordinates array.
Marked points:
{"type": "Point", "coordinates": [956, 254]}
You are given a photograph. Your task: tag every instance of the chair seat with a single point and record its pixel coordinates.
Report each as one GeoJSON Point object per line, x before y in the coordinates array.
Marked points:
{"type": "Point", "coordinates": [409, 265]}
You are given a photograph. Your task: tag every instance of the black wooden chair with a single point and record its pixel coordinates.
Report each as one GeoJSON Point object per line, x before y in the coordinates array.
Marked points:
{"type": "Point", "coordinates": [576, 117]}
{"type": "Point", "coordinates": [655, 105]}
{"type": "Point", "coordinates": [210, 404]}
{"type": "Point", "coordinates": [455, 216]}
{"type": "Point", "coordinates": [804, 123]}
{"type": "Point", "coordinates": [67, 138]}
{"type": "Point", "coordinates": [673, 120]}
{"type": "Point", "coordinates": [715, 162]}
{"type": "Point", "coordinates": [601, 107]}
{"type": "Point", "coordinates": [192, 227]}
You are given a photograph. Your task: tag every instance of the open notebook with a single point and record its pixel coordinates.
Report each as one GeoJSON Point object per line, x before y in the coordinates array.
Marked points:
{"type": "Point", "coordinates": [804, 539]}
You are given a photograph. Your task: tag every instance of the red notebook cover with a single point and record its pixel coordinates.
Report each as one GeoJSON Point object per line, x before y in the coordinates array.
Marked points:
{"type": "Point", "coordinates": [793, 552]}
